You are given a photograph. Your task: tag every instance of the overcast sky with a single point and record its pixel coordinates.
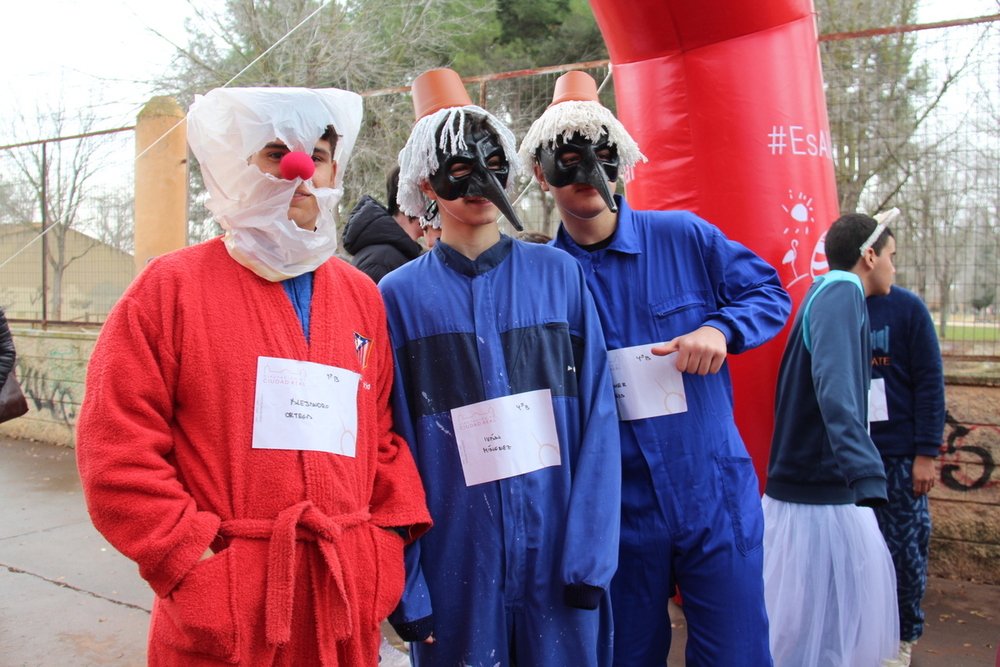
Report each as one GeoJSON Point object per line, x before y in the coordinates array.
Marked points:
{"type": "Point", "coordinates": [100, 52]}
{"type": "Point", "coordinates": [95, 52]}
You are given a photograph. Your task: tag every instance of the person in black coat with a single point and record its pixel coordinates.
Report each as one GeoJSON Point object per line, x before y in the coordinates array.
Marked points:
{"type": "Point", "coordinates": [6, 349]}
{"type": "Point", "coordinates": [381, 238]}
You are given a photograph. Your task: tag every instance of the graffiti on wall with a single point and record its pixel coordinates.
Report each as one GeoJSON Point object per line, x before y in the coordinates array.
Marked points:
{"type": "Point", "coordinates": [957, 450]}
{"type": "Point", "coordinates": [47, 388]}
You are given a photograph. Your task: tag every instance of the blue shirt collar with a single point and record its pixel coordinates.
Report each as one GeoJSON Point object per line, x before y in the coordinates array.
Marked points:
{"type": "Point", "coordinates": [485, 263]}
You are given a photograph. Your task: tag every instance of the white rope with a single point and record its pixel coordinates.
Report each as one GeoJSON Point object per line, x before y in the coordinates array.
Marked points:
{"type": "Point", "coordinates": [241, 72]}
{"type": "Point", "coordinates": [606, 79]}
{"type": "Point", "coordinates": [27, 245]}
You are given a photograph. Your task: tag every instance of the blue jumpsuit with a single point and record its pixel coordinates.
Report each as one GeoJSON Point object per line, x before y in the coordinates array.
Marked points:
{"type": "Point", "coordinates": [691, 512]}
{"type": "Point", "coordinates": [515, 571]}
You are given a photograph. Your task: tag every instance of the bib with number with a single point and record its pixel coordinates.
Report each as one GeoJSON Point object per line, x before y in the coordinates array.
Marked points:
{"type": "Point", "coordinates": [306, 406]}
{"type": "Point", "coordinates": [646, 385]}
{"type": "Point", "coordinates": [878, 404]}
{"type": "Point", "coordinates": [507, 436]}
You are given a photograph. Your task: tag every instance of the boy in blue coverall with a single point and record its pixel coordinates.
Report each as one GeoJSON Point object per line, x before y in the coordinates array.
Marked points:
{"type": "Point", "coordinates": [517, 569]}
{"type": "Point", "coordinates": [827, 573]}
{"type": "Point", "coordinates": [691, 513]}
{"type": "Point", "coordinates": [907, 358]}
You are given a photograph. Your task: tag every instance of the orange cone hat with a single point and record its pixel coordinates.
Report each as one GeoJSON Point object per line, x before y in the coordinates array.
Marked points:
{"type": "Point", "coordinates": [575, 86]}
{"type": "Point", "coordinates": [438, 89]}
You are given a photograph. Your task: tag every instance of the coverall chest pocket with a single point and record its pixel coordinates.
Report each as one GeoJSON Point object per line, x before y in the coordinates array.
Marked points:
{"type": "Point", "coordinates": [679, 314]}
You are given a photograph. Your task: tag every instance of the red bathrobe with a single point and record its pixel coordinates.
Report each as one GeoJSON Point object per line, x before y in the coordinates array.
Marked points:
{"type": "Point", "coordinates": [304, 570]}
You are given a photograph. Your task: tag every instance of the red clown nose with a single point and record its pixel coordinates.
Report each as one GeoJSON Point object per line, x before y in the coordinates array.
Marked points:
{"type": "Point", "coordinates": [297, 164]}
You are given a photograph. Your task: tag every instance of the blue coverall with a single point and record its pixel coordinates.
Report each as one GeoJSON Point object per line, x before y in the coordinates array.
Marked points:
{"type": "Point", "coordinates": [691, 512]}
{"type": "Point", "coordinates": [514, 571]}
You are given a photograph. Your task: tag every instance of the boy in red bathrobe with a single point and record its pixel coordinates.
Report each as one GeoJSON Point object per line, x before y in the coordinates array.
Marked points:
{"type": "Point", "coordinates": [235, 440]}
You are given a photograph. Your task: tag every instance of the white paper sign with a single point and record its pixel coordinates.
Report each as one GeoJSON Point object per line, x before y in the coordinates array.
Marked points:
{"type": "Point", "coordinates": [507, 436]}
{"type": "Point", "coordinates": [304, 405]}
{"type": "Point", "coordinates": [646, 385]}
{"type": "Point", "coordinates": [878, 404]}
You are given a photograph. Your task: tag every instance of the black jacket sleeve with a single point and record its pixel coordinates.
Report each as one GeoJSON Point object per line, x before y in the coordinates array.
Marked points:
{"type": "Point", "coordinates": [6, 349]}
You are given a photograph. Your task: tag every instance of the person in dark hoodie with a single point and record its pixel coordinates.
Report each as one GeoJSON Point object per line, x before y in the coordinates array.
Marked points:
{"type": "Point", "coordinates": [382, 238]}
{"type": "Point", "coordinates": [907, 411]}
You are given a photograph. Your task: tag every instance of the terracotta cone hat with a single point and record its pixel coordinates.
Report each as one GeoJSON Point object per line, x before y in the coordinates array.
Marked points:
{"type": "Point", "coordinates": [575, 86]}
{"type": "Point", "coordinates": [438, 89]}
{"type": "Point", "coordinates": [576, 107]}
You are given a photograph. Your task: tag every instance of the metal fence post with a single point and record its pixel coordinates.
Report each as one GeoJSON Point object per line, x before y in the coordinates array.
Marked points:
{"type": "Point", "coordinates": [45, 241]}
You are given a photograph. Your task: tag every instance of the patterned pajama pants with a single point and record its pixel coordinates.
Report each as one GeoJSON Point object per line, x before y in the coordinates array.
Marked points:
{"type": "Point", "coordinates": [906, 525]}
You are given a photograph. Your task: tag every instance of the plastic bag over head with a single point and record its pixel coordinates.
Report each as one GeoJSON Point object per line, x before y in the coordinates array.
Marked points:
{"type": "Point", "coordinates": [226, 126]}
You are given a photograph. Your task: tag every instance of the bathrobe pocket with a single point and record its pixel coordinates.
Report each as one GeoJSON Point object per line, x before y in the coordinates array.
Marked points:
{"type": "Point", "coordinates": [198, 614]}
{"type": "Point", "coordinates": [389, 574]}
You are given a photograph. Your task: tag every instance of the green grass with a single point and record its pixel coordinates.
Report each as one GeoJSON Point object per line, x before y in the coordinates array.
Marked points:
{"type": "Point", "coordinates": [967, 331]}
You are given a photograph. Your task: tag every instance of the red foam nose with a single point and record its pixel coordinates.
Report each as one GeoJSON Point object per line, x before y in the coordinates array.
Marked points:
{"type": "Point", "coordinates": [297, 164]}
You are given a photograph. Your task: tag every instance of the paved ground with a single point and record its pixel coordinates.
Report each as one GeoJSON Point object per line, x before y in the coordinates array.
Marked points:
{"type": "Point", "coordinates": [962, 626]}
{"type": "Point", "coordinates": [68, 599]}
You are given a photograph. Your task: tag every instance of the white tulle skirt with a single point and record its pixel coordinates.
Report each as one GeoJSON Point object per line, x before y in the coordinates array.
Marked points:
{"type": "Point", "coordinates": [829, 586]}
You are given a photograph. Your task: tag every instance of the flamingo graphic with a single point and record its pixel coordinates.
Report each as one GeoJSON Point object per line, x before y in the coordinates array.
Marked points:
{"type": "Point", "coordinates": [790, 256]}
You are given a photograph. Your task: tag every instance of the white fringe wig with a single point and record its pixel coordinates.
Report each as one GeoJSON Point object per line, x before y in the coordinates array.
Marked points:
{"type": "Point", "coordinates": [418, 159]}
{"type": "Point", "coordinates": [591, 120]}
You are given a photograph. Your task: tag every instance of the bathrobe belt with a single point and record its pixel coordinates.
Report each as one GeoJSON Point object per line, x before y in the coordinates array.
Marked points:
{"type": "Point", "coordinates": [300, 522]}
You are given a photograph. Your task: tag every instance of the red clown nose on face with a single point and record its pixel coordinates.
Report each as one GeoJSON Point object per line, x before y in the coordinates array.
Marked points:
{"type": "Point", "coordinates": [297, 164]}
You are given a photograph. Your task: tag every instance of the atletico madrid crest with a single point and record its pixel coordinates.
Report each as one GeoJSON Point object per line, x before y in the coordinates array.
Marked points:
{"type": "Point", "coordinates": [363, 347]}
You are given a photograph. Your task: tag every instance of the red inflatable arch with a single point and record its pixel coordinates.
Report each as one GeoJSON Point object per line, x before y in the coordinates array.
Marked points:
{"type": "Point", "coordinates": [726, 100]}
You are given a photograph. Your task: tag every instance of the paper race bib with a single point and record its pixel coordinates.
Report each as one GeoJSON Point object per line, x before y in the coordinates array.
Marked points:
{"type": "Point", "coordinates": [507, 436]}
{"type": "Point", "coordinates": [306, 406]}
{"type": "Point", "coordinates": [878, 404]}
{"type": "Point", "coordinates": [646, 385]}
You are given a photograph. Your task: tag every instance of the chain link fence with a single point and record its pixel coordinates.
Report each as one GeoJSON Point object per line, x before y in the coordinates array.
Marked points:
{"type": "Point", "coordinates": [914, 115]}
{"type": "Point", "coordinates": [915, 118]}
{"type": "Point", "coordinates": [66, 224]}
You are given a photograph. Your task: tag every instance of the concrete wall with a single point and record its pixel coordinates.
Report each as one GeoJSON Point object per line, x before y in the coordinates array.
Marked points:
{"type": "Point", "coordinates": [51, 366]}
{"type": "Point", "coordinates": [965, 502]}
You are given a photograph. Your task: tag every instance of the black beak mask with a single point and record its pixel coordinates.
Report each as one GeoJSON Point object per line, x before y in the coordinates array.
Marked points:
{"type": "Point", "coordinates": [579, 160]}
{"type": "Point", "coordinates": [478, 170]}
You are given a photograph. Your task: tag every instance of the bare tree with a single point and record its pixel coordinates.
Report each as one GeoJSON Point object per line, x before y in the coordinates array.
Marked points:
{"type": "Point", "coordinates": [110, 218]}
{"type": "Point", "coordinates": [17, 201]}
{"type": "Point", "coordinates": [879, 96]}
{"type": "Point", "coordinates": [939, 227]}
{"type": "Point", "coordinates": [987, 156]}
{"type": "Point", "coordinates": [356, 45]}
{"type": "Point", "coordinates": [56, 176]}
